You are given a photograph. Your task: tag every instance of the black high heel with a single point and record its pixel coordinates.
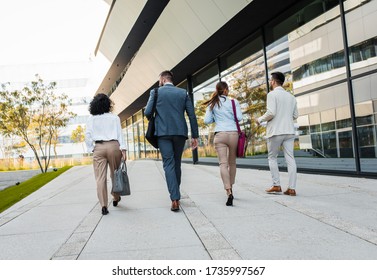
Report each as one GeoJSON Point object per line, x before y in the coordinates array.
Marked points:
{"type": "Point", "coordinates": [115, 202]}
{"type": "Point", "coordinates": [104, 210]}
{"type": "Point", "coordinates": [229, 202]}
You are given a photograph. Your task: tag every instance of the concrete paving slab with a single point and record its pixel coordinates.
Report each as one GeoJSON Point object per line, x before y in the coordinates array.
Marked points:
{"type": "Point", "coordinates": [292, 236]}
{"type": "Point", "coordinates": [176, 253]}
{"type": "Point", "coordinates": [141, 229]}
{"type": "Point", "coordinates": [42, 219]}
{"type": "Point", "coordinates": [332, 217]}
{"type": "Point", "coordinates": [31, 246]}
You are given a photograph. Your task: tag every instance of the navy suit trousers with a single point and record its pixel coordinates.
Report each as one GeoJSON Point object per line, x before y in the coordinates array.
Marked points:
{"type": "Point", "coordinates": [171, 148]}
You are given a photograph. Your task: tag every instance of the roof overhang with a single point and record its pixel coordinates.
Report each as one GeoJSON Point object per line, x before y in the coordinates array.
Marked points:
{"type": "Point", "coordinates": [180, 35]}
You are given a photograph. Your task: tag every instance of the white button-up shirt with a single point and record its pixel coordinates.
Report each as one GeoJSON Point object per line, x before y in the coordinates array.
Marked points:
{"type": "Point", "coordinates": [103, 127]}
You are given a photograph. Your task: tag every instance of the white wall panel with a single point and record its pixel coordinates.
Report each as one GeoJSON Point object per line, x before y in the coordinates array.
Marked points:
{"type": "Point", "coordinates": [182, 27]}
{"type": "Point", "coordinates": [370, 18]}
{"type": "Point", "coordinates": [119, 25]}
{"type": "Point", "coordinates": [365, 88]}
{"type": "Point", "coordinates": [208, 13]}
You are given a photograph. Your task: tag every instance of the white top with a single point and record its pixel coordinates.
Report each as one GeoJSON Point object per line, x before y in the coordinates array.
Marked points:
{"type": "Point", "coordinates": [103, 127]}
{"type": "Point", "coordinates": [223, 116]}
{"type": "Point", "coordinates": [280, 114]}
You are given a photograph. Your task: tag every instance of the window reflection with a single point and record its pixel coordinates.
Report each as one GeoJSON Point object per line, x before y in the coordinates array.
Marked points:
{"type": "Point", "coordinates": [306, 44]}
{"type": "Point", "coordinates": [203, 92]}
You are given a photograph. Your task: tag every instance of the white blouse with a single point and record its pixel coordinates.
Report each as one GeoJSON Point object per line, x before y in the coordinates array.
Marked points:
{"type": "Point", "coordinates": [103, 127]}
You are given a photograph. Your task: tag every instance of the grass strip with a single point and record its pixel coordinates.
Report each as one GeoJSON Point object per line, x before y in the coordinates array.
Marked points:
{"type": "Point", "coordinates": [13, 194]}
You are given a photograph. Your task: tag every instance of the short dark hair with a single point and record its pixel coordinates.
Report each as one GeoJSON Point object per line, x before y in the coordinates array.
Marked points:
{"type": "Point", "coordinates": [100, 104]}
{"type": "Point", "coordinates": [278, 77]}
{"type": "Point", "coordinates": [167, 75]}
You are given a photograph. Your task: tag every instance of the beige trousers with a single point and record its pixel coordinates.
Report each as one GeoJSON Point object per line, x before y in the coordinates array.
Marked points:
{"type": "Point", "coordinates": [105, 154]}
{"type": "Point", "coordinates": [226, 147]}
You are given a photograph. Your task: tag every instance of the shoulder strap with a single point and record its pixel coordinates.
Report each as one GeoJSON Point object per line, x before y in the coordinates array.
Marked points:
{"type": "Point", "coordinates": [155, 100]}
{"type": "Point", "coordinates": [235, 116]}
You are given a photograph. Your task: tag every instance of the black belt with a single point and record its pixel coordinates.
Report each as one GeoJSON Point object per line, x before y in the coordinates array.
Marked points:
{"type": "Point", "coordinates": [101, 141]}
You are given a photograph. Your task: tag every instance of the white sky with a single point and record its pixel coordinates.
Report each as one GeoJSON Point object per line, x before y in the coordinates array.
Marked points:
{"type": "Point", "coordinates": [38, 31]}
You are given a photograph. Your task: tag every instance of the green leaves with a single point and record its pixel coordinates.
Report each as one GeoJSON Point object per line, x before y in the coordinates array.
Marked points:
{"type": "Point", "coordinates": [34, 113]}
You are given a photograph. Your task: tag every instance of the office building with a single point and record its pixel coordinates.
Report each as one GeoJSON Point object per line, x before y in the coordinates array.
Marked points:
{"type": "Point", "coordinates": [326, 48]}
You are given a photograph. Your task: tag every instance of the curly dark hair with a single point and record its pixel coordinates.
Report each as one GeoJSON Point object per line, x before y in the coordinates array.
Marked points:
{"type": "Point", "coordinates": [100, 104]}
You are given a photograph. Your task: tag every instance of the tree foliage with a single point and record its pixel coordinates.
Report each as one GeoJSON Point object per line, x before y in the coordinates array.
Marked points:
{"type": "Point", "coordinates": [252, 98]}
{"type": "Point", "coordinates": [78, 135]}
{"type": "Point", "coordinates": [34, 113]}
{"type": "Point", "coordinates": [243, 86]}
{"type": "Point", "coordinates": [207, 131]}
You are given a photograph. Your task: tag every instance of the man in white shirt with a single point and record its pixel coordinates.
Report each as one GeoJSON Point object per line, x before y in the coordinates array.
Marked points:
{"type": "Point", "coordinates": [280, 114]}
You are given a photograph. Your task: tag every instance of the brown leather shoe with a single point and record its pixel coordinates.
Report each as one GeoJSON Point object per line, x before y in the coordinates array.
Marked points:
{"type": "Point", "coordinates": [290, 192]}
{"type": "Point", "coordinates": [274, 190]}
{"type": "Point", "coordinates": [175, 205]}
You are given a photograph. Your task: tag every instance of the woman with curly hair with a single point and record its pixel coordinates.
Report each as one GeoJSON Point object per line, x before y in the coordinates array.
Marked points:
{"type": "Point", "coordinates": [104, 138]}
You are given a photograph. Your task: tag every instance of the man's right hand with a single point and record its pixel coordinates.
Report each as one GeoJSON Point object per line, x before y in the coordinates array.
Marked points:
{"type": "Point", "coordinates": [194, 143]}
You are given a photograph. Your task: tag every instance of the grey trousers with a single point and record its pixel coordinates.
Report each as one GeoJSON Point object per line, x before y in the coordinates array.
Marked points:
{"type": "Point", "coordinates": [273, 145]}
{"type": "Point", "coordinates": [171, 148]}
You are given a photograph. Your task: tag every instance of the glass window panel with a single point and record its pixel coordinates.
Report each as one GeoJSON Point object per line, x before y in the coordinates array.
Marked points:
{"type": "Point", "coordinates": [345, 144]}
{"type": "Point", "coordinates": [328, 120]}
{"type": "Point", "coordinates": [362, 43]}
{"type": "Point", "coordinates": [316, 46]}
{"type": "Point", "coordinates": [315, 128]}
{"type": "Point", "coordinates": [303, 122]}
{"type": "Point", "coordinates": [201, 93]}
{"type": "Point", "coordinates": [316, 142]}
{"type": "Point", "coordinates": [364, 120]}
{"type": "Point", "coordinates": [241, 54]}
{"type": "Point", "coordinates": [130, 142]}
{"type": "Point", "coordinates": [343, 113]}
{"type": "Point", "coordinates": [278, 57]}
{"type": "Point", "coordinates": [347, 123]}
{"type": "Point", "coordinates": [247, 83]}
{"type": "Point", "coordinates": [201, 77]}
{"type": "Point", "coordinates": [365, 96]}
{"type": "Point", "coordinates": [304, 17]}
{"type": "Point", "coordinates": [328, 116]}
{"type": "Point", "coordinates": [183, 85]}
{"type": "Point", "coordinates": [328, 126]}
{"type": "Point", "coordinates": [205, 90]}
{"type": "Point", "coordinates": [314, 120]}
{"type": "Point", "coordinates": [330, 144]}
{"type": "Point", "coordinates": [137, 130]}
{"type": "Point", "coordinates": [148, 151]}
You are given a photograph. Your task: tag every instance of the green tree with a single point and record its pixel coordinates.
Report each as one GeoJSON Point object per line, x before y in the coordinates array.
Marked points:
{"type": "Point", "coordinates": [34, 113]}
{"type": "Point", "coordinates": [206, 131]}
{"type": "Point", "coordinates": [252, 98]}
{"type": "Point", "coordinates": [78, 135]}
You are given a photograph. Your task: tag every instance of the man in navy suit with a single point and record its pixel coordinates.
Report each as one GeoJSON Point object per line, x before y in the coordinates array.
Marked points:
{"type": "Point", "coordinates": [171, 130]}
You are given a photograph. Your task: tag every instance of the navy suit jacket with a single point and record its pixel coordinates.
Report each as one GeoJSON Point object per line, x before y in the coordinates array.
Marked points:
{"type": "Point", "coordinates": [172, 103]}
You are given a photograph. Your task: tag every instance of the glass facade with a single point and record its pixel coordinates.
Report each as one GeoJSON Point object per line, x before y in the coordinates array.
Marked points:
{"type": "Point", "coordinates": [328, 52]}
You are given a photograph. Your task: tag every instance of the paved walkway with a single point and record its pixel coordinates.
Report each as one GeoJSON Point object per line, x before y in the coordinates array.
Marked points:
{"type": "Point", "coordinates": [331, 218]}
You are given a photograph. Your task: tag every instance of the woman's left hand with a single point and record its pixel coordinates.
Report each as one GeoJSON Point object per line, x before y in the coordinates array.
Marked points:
{"type": "Point", "coordinates": [124, 155]}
